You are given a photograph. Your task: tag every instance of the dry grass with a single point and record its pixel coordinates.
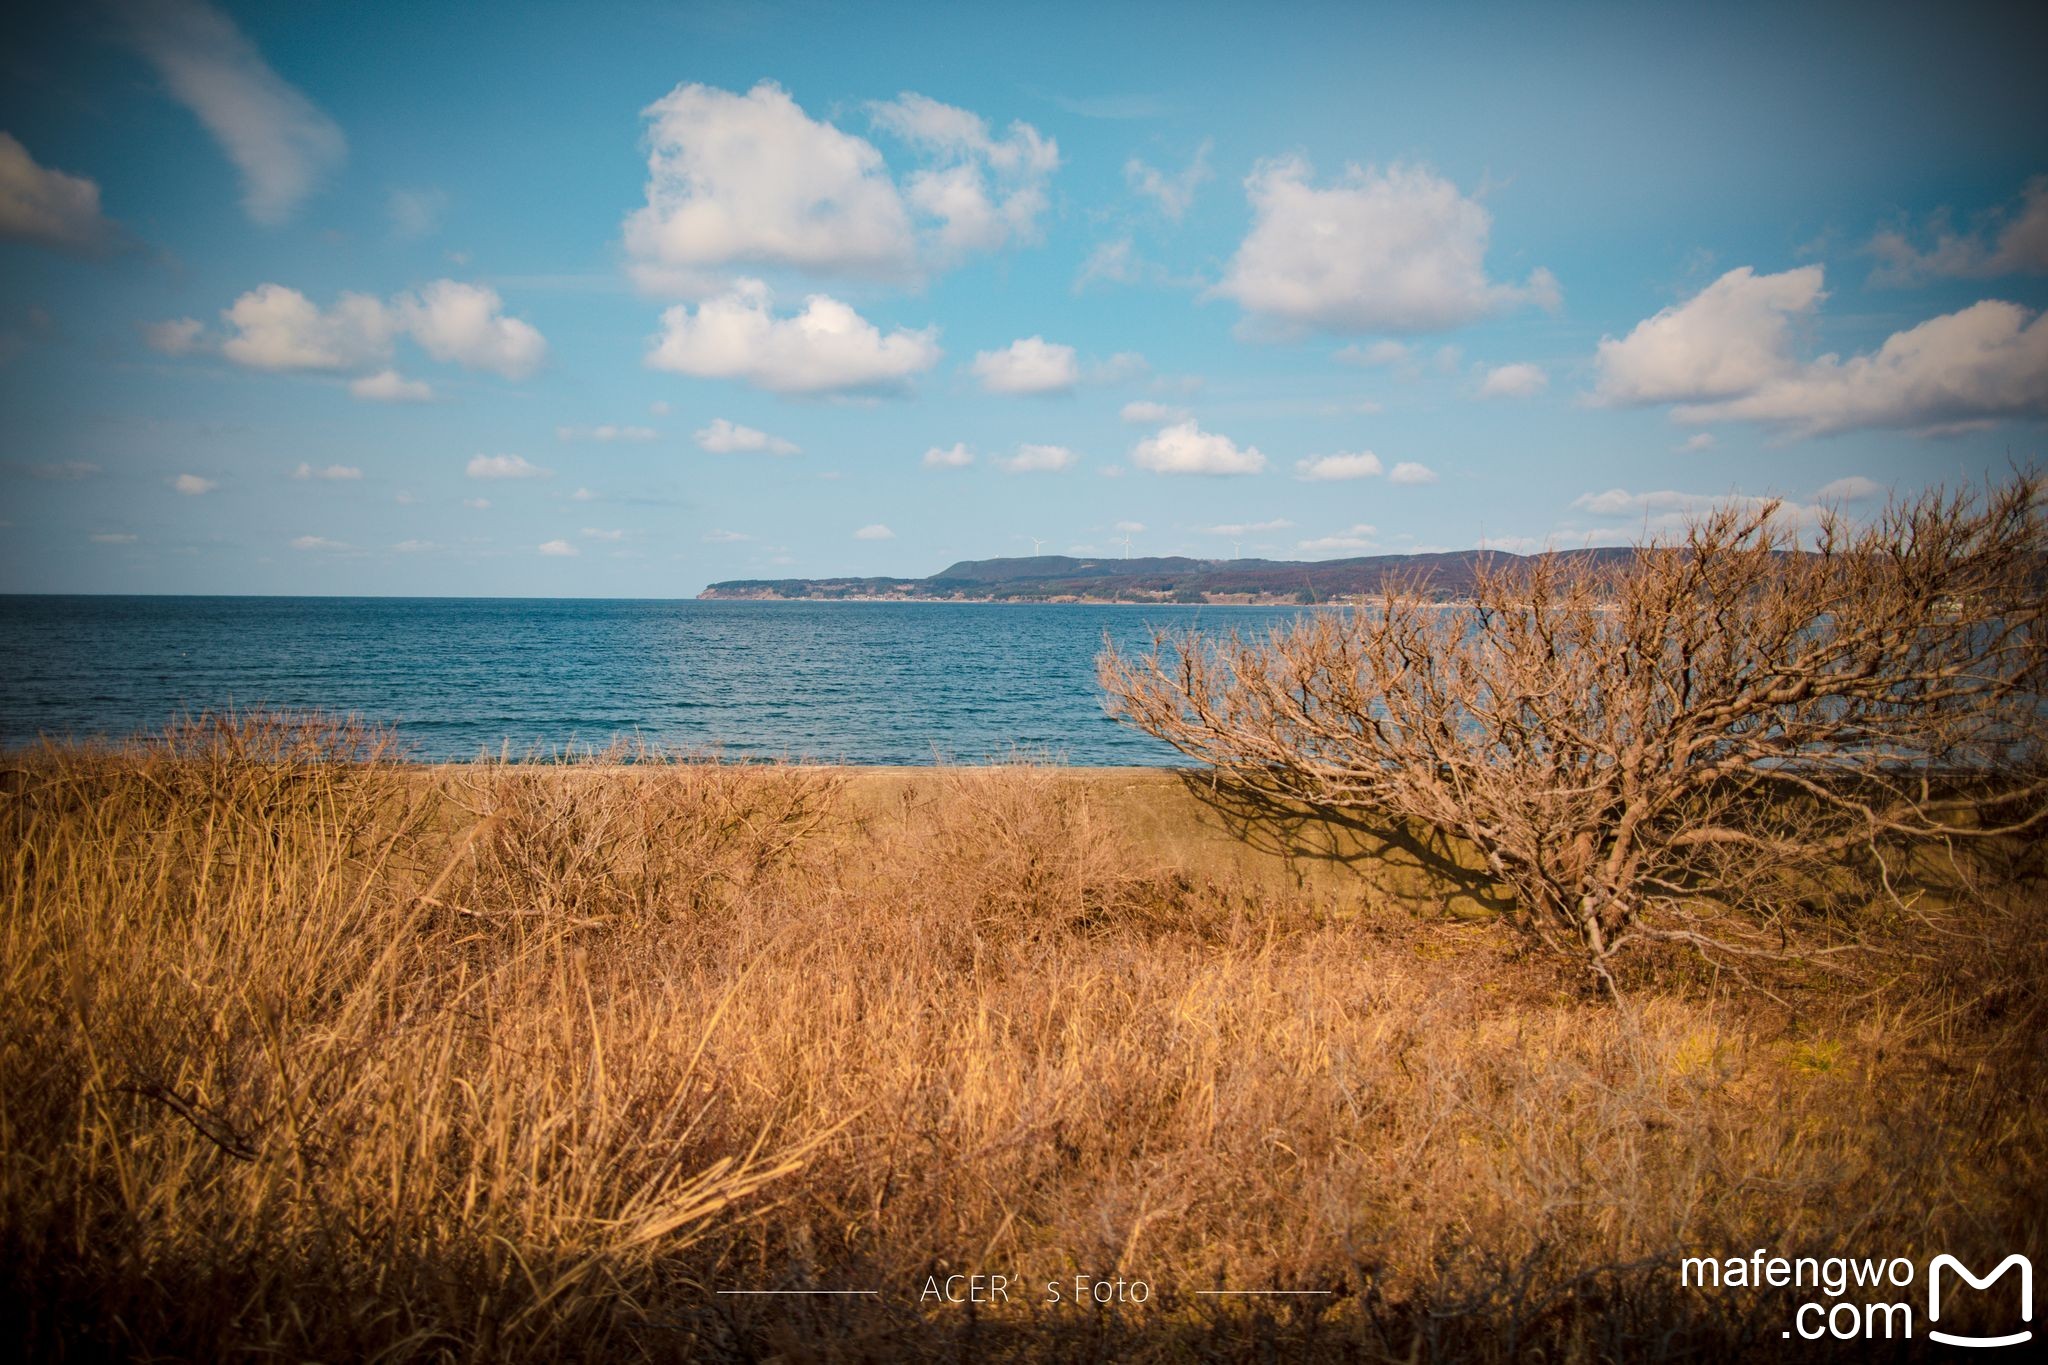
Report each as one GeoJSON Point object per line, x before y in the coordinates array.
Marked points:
{"type": "Point", "coordinates": [308, 1053]}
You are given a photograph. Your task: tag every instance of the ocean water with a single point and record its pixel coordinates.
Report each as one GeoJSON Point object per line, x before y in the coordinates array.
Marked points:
{"type": "Point", "coordinates": [848, 682]}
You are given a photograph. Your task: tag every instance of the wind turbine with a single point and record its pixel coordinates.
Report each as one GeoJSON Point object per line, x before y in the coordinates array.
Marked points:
{"type": "Point", "coordinates": [1035, 543]}
{"type": "Point", "coordinates": [1126, 543]}
{"type": "Point", "coordinates": [1233, 548]}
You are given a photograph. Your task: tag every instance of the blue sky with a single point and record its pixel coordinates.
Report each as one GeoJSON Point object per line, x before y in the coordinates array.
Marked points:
{"type": "Point", "coordinates": [621, 300]}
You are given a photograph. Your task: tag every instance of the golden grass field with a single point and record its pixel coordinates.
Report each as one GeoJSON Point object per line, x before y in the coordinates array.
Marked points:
{"type": "Point", "coordinates": [309, 1055]}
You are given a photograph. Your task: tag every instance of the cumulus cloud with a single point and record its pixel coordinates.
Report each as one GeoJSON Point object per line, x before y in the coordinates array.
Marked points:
{"type": "Point", "coordinates": [477, 504]}
{"type": "Point", "coordinates": [318, 543]}
{"type": "Point", "coordinates": [1395, 251]}
{"type": "Point", "coordinates": [1514, 381]}
{"type": "Point", "coordinates": [1727, 339]}
{"type": "Point", "coordinates": [191, 485]}
{"type": "Point", "coordinates": [503, 467]}
{"type": "Point", "coordinates": [1174, 193]}
{"type": "Point", "coordinates": [2012, 241]}
{"type": "Point", "coordinates": [1410, 474]}
{"type": "Point", "coordinates": [983, 192]}
{"type": "Point", "coordinates": [955, 456]}
{"type": "Point", "coordinates": [1695, 443]}
{"type": "Point", "coordinates": [752, 180]}
{"type": "Point", "coordinates": [1145, 412]}
{"type": "Point", "coordinates": [113, 538]}
{"type": "Point", "coordinates": [46, 206]}
{"type": "Point", "coordinates": [59, 470]}
{"type": "Point", "coordinates": [601, 533]}
{"type": "Point", "coordinates": [333, 473]}
{"type": "Point", "coordinates": [389, 386]}
{"type": "Point", "coordinates": [278, 328]}
{"type": "Point", "coordinates": [1361, 464]}
{"type": "Point", "coordinates": [465, 323]}
{"type": "Point", "coordinates": [282, 144]}
{"type": "Point", "coordinates": [1984, 363]}
{"type": "Point", "coordinates": [874, 531]}
{"type": "Point", "coordinates": [1130, 527]}
{"type": "Point", "coordinates": [180, 336]}
{"type": "Point", "coordinates": [1028, 365]}
{"type": "Point", "coordinates": [1247, 528]}
{"type": "Point", "coordinates": [715, 537]}
{"type": "Point", "coordinates": [1854, 488]}
{"type": "Point", "coordinates": [1037, 459]}
{"type": "Point", "coordinates": [729, 438]}
{"type": "Point", "coordinates": [826, 348]}
{"type": "Point", "coordinates": [1184, 448]}
{"type": "Point", "coordinates": [559, 549]}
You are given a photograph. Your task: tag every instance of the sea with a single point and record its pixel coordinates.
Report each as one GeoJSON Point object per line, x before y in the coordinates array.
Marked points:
{"type": "Point", "coordinates": [461, 678]}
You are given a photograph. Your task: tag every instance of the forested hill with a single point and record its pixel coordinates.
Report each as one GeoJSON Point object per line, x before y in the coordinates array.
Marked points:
{"type": "Point", "coordinates": [1062, 578]}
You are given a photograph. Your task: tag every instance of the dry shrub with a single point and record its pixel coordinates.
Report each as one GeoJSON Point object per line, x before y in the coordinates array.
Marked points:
{"type": "Point", "coordinates": [348, 1099]}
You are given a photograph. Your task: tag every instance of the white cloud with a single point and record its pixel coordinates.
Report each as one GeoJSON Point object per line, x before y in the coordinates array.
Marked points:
{"type": "Point", "coordinates": [728, 438]}
{"type": "Point", "coordinates": [607, 432]}
{"type": "Point", "coordinates": [113, 538]}
{"type": "Point", "coordinates": [1028, 365]}
{"type": "Point", "coordinates": [416, 547]}
{"type": "Point", "coordinates": [1356, 540]}
{"type": "Point", "coordinates": [280, 142]}
{"type": "Point", "coordinates": [874, 531]}
{"type": "Point", "coordinates": [1173, 193]}
{"type": "Point", "coordinates": [1184, 448]}
{"type": "Point", "coordinates": [724, 537]}
{"type": "Point", "coordinates": [955, 456]}
{"type": "Point", "coordinates": [1986, 362]}
{"type": "Point", "coordinates": [1410, 474]}
{"type": "Point", "coordinates": [191, 485]}
{"type": "Point", "coordinates": [984, 192]}
{"type": "Point", "coordinates": [1394, 251]}
{"type": "Point", "coordinates": [1725, 340]}
{"type": "Point", "coordinates": [1695, 443]}
{"type": "Point", "coordinates": [1247, 528]}
{"type": "Point", "coordinates": [1514, 381]}
{"type": "Point", "coordinates": [404, 498]}
{"type": "Point", "coordinates": [1037, 459]}
{"type": "Point", "coordinates": [600, 533]}
{"type": "Point", "coordinates": [1130, 527]}
{"type": "Point", "coordinates": [659, 407]}
{"type": "Point", "coordinates": [47, 206]}
{"type": "Point", "coordinates": [2012, 242]}
{"type": "Point", "coordinates": [1145, 412]}
{"type": "Point", "coordinates": [318, 543]}
{"type": "Point", "coordinates": [826, 348]}
{"type": "Point", "coordinates": [1378, 353]}
{"type": "Point", "coordinates": [477, 504]}
{"type": "Point", "coordinates": [1668, 510]}
{"type": "Point", "coordinates": [752, 180]}
{"type": "Point", "coordinates": [1361, 464]}
{"type": "Point", "coordinates": [277, 328]}
{"type": "Point", "coordinates": [333, 473]}
{"type": "Point", "coordinates": [583, 495]}
{"type": "Point", "coordinates": [1854, 488]}
{"type": "Point", "coordinates": [415, 213]}
{"type": "Point", "coordinates": [503, 467]}
{"type": "Point", "coordinates": [464, 323]}
{"type": "Point", "coordinates": [181, 336]}
{"type": "Point", "coordinates": [389, 386]}
{"type": "Point", "coordinates": [560, 549]}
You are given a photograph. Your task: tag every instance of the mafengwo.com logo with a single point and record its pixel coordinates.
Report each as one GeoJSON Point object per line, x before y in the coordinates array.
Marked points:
{"type": "Point", "coordinates": [1868, 1299]}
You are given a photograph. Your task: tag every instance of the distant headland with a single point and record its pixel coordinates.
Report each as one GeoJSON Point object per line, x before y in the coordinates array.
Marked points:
{"type": "Point", "coordinates": [1172, 579]}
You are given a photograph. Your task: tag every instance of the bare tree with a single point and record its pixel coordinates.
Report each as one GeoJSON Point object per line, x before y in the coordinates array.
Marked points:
{"type": "Point", "coordinates": [1687, 747]}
